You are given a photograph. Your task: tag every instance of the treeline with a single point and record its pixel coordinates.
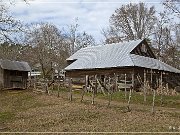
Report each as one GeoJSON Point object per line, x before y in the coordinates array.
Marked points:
{"type": "Point", "coordinates": [48, 46]}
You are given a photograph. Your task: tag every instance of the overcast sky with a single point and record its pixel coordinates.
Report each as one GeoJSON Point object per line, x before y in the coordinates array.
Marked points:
{"type": "Point", "coordinates": [93, 15]}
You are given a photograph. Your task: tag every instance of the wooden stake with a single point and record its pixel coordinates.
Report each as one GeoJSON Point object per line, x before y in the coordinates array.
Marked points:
{"type": "Point", "coordinates": [94, 89]}
{"type": "Point", "coordinates": [128, 107]}
{"type": "Point", "coordinates": [58, 88]}
{"type": "Point", "coordinates": [154, 95]}
{"type": "Point", "coordinates": [85, 88]}
{"type": "Point", "coordinates": [125, 86]}
{"type": "Point", "coordinates": [130, 92]}
{"type": "Point", "coordinates": [70, 89]}
{"type": "Point", "coordinates": [144, 85]}
{"type": "Point", "coordinates": [115, 81]}
{"type": "Point", "coordinates": [151, 79]}
{"type": "Point", "coordinates": [133, 81]}
{"type": "Point", "coordinates": [109, 92]}
{"type": "Point", "coordinates": [161, 87]}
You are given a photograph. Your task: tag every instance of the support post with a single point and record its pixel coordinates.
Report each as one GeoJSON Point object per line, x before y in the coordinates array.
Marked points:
{"type": "Point", "coordinates": [144, 88]}
{"type": "Point", "coordinates": [125, 77]}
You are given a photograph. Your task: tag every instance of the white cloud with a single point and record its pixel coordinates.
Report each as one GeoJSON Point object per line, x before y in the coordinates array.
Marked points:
{"type": "Point", "coordinates": [93, 15]}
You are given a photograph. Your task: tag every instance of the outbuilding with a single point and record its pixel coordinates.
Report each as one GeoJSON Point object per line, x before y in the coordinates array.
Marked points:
{"type": "Point", "coordinates": [13, 74]}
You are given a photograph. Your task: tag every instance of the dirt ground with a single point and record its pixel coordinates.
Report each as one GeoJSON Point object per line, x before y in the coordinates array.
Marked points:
{"type": "Point", "coordinates": [26, 111]}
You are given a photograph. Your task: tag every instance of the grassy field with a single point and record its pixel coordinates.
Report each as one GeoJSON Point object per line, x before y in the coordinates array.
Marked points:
{"type": "Point", "coordinates": [27, 111]}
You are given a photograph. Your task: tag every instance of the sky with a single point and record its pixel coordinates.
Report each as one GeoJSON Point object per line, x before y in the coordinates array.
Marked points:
{"type": "Point", "coordinates": [93, 15]}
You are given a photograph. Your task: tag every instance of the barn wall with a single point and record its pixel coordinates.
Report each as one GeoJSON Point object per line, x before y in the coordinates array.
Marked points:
{"type": "Point", "coordinates": [15, 79]}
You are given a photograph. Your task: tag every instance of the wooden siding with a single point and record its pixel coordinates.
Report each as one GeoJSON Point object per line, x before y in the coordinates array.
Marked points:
{"type": "Point", "coordinates": [15, 79]}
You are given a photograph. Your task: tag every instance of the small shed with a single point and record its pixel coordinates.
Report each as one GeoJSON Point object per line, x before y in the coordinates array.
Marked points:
{"type": "Point", "coordinates": [13, 74]}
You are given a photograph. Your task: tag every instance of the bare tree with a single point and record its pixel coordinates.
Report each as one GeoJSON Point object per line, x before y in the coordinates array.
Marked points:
{"type": "Point", "coordinates": [78, 39]}
{"type": "Point", "coordinates": [173, 6]}
{"type": "Point", "coordinates": [84, 40]}
{"type": "Point", "coordinates": [8, 25]}
{"type": "Point", "coordinates": [160, 34]}
{"type": "Point", "coordinates": [133, 21]}
{"type": "Point", "coordinates": [47, 41]}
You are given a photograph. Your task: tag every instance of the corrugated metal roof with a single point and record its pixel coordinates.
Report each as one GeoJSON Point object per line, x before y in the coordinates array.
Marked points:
{"type": "Point", "coordinates": [114, 55]}
{"type": "Point", "coordinates": [14, 65]}
{"type": "Point", "coordinates": [104, 56]}
{"type": "Point", "coordinates": [141, 61]}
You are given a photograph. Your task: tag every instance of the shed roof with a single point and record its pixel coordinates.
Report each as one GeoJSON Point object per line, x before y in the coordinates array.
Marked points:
{"type": "Point", "coordinates": [114, 55]}
{"type": "Point", "coordinates": [15, 65]}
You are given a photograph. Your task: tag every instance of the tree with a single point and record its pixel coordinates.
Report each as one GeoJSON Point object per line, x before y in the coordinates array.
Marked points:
{"type": "Point", "coordinates": [161, 35]}
{"type": "Point", "coordinates": [133, 21]}
{"type": "Point", "coordinates": [84, 40]}
{"type": "Point", "coordinates": [47, 41]}
{"type": "Point", "coordinates": [77, 39]}
{"type": "Point", "coordinates": [173, 6]}
{"type": "Point", "coordinates": [8, 25]}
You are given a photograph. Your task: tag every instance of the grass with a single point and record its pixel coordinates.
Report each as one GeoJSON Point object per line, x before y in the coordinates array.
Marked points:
{"type": "Point", "coordinates": [137, 98]}
{"type": "Point", "coordinates": [39, 112]}
{"type": "Point", "coordinates": [4, 116]}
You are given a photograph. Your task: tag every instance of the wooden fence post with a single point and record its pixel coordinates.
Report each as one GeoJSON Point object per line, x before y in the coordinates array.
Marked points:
{"type": "Point", "coordinates": [58, 88]}
{"type": "Point", "coordinates": [70, 89]}
{"type": "Point", "coordinates": [125, 77]}
{"type": "Point", "coordinates": [161, 87]}
{"type": "Point", "coordinates": [94, 89]}
{"type": "Point", "coordinates": [144, 88]}
{"type": "Point", "coordinates": [130, 92]}
{"type": "Point", "coordinates": [85, 88]}
{"type": "Point", "coordinates": [109, 92]}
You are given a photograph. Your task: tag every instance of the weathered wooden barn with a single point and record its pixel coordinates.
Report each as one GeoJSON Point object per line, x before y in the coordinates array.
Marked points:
{"type": "Point", "coordinates": [133, 57]}
{"type": "Point", "coordinates": [108, 68]}
{"type": "Point", "coordinates": [13, 74]}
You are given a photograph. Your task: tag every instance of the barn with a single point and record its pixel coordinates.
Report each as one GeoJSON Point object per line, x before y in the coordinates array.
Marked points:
{"type": "Point", "coordinates": [13, 74]}
{"type": "Point", "coordinates": [133, 60]}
